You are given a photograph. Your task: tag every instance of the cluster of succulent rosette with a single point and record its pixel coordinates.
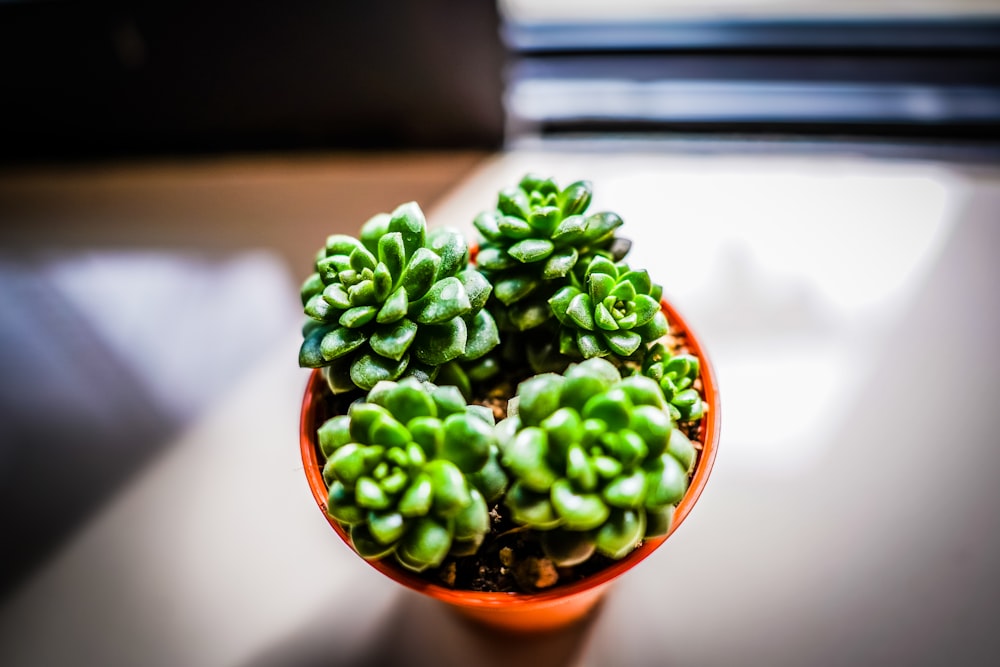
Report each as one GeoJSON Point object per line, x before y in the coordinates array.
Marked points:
{"type": "Point", "coordinates": [410, 470]}
{"type": "Point", "coordinates": [595, 461]}
{"type": "Point", "coordinates": [398, 302]}
{"type": "Point", "coordinates": [419, 331]}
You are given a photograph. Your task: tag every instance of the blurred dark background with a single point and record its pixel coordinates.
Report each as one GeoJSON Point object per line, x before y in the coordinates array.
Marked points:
{"type": "Point", "coordinates": [97, 78]}
{"type": "Point", "coordinates": [101, 79]}
{"type": "Point", "coordinates": [153, 155]}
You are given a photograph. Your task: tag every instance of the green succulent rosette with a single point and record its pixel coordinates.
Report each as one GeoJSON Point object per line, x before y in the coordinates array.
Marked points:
{"type": "Point", "coordinates": [615, 311]}
{"type": "Point", "coordinates": [533, 240]}
{"type": "Point", "coordinates": [411, 471]}
{"type": "Point", "coordinates": [676, 375]}
{"type": "Point", "coordinates": [397, 302]}
{"type": "Point", "coordinates": [595, 461]}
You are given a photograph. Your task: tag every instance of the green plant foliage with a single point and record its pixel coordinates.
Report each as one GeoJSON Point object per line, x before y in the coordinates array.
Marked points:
{"type": "Point", "coordinates": [615, 311]}
{"type": "Point", "coordinates": [595, 461]}
{"type": "Point", "coordinates": [411, 471]}
{"type": "Point", "coordinates": [588, 462]}
{"type": "Point", "coordinates": [399, 301]}
{"type": "Point", "coordinates": [532, 241]}
{"type": "Point", "coordinates": [676, 376]}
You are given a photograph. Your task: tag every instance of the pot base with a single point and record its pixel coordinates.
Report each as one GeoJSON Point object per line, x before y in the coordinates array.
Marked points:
{"type": "Point", "coordinates": [541, 616]}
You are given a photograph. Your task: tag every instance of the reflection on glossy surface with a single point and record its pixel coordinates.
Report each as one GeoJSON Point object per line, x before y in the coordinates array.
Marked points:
{"type": "Point", "coordinates": [850, 308]}
{"type": "Point", "coordinates": [795, 278]}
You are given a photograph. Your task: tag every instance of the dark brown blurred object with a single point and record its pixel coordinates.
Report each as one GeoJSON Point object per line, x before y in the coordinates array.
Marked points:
{"type": "Point", "coordinates": [218, 205]}
{"type": "Point", "coordinates": [98, 78]}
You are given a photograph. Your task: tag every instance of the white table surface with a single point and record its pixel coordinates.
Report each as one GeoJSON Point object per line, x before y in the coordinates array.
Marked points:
{"type": "Point", "coordinates": [851, 308]}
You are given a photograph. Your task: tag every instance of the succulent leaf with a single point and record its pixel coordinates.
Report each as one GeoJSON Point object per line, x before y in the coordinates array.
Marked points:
{"type": "Point", "coordinates": [526, 458]}
{"type": "Point", "coordinates": [588, 345]}
{"type": "Point", "coordinates": [467, 442]}
{"type": "Point", "coordinates": [445, 300]}
{"type": "Point", "coordinates": [317, 308]}
{"type": "Point", "coordinates": [370, 369]}
{"type": "Point", "coordinates": [621, 533]}
{"type": "Point", "coordinates": [626, 491]}
{"type": "Point", "coordinates": [437, 344]}
{"type": "Point", "coordinates": [389, 340]}
{"type": "Point", "coordinates": [473, 521]}
{"type": "Point", "coordinates": [538, 397]}
{"type": "Point", "coordinates": [667, 481]}
{"type": "Point", "coordinates": [514, 202]}
{"type": "Point", "coordinates": [341, 244]}
{"type": "Point", "coordinates": [451, 247]}
{"type": "Point", "coordinates": [513, 288]}
{"type": "Point", "coordinates": [427, 433]}
{"type": "Point", "coordinates": [529, 314]}
{"type": "Point", "coordinates": [333, 434]}
{"type": "Point", "coordinates": [477, 287]}
{"type": "Point", "coordinates": [575, 197]}
{"type": "Point", "coordinates": [409, 221]}
{"type": "Point", "coordinates": [373, 231]}
{"type": "Point", "coordinates": [388, 432]}
{"type": "Point", "coordinates": [392, 253]}
{"type": "Point", "coordinates": [341, 506]}
{"type": "Point", "coordinates": [659, 521]}
{"type": "Point", "coordinates": [579, 511]}
{"type": "Point", "coordinates": [514, 228]}
{"type": "Point", "coordinates": [531, 508]}
{"type": "Point", "coordinates": [347, 464]}
{"type": "Point", "coordinates": [420, 273]}
{"type": "Point", "coordinates": [491, 480]}
{"type": "Point", "coordinates": [487, 223]}
{"type": "Point", "coordinates": [425, 545]}
{"type": "Point", "coordinates": [449, 401]}
{"type": "Point", "coordinates": [570, 232]}
{"type": "Point", "coordinates": [531, 250]}
{"type": "Point", "coordinates": [653, 329]}
{"type": "Point", "coordinates": [451, 491]}
{"type": "Point", "coordinates": [418, 498]}
{"type": "Point", "coordinates": [482, 336]}
{"type": "Point", "coordinates": [653, 425]}
{"type": "Point", "coordinates": [565, 429]}
{"type": "Point", "coordinates": [560, 263]}
{"type": "Point", "coordinates": [567, 548]}
{"type": "Point", "coordinates": [366, 545]}
{"type": "Point", "coordinates": [489, 259]}
{"type": "Point", "coordinates": [682, 449]}
{"type": "Point", "coordinates": [337, 296]}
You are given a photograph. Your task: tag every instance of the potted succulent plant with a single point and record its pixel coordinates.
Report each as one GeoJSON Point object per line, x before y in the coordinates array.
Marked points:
{"type": "Point", "coordinates": [510, 427]}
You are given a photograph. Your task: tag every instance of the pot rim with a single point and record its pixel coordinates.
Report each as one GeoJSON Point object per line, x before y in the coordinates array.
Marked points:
{"type": "Point", "coordinates": [709, 433]}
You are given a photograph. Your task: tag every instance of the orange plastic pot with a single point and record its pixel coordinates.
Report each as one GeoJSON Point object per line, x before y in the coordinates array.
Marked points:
{"type": "Point", "coordinates": [517, 611]}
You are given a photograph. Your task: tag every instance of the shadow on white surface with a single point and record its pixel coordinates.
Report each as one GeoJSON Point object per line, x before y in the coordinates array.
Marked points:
{"type": "Point", "coordinates": [105, 356]}
{"type": "Point", "coordinates": [418, 632]}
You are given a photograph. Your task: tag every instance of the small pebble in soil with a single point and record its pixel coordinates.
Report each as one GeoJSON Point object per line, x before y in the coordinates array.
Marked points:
{"type": "Point", "coordinates": [506, 556]}
{"type": "Point", "coordinates": [536, 572]}
{"type": "Point", "coordinates": [447, 574]}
